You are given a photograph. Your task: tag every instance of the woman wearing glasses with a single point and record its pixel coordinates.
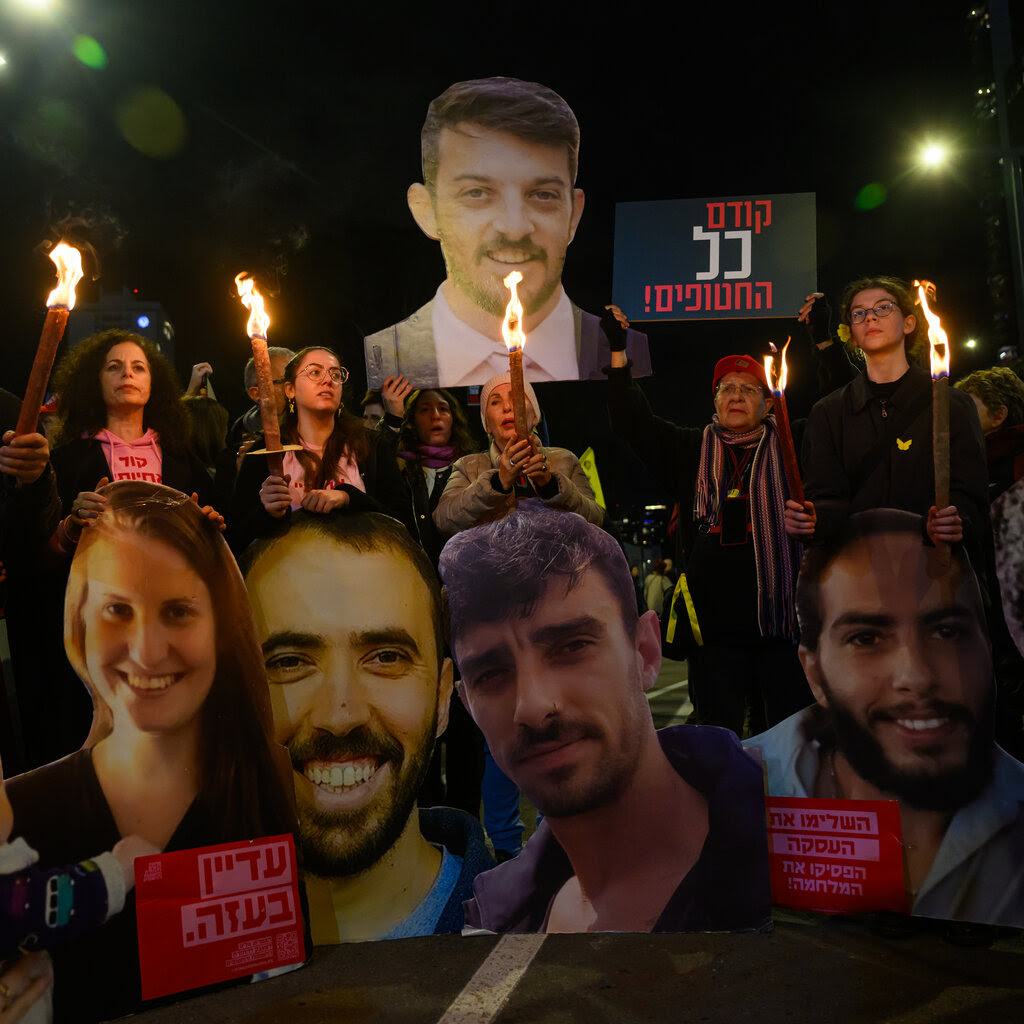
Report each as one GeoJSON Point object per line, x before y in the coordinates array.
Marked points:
{"type": "Point", "coordinates": [736, 617]}
{"type": "Point", "coordinates": [338, 465]}
{"type": "Point", "coordinates": [869, 444]}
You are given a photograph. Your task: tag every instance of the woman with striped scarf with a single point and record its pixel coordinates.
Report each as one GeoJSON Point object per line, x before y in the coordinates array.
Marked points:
{"type": "Point", "coordinates": [740, 566]}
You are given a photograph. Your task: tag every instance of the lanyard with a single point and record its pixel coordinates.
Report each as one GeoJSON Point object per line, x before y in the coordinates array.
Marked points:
{"type": "Point", "coordinates": [736, 479]}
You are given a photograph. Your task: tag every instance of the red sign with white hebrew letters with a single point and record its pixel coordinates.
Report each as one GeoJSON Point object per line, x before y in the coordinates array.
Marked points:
{"type": "Point", "coordinates": [217, 913]}
{"type": "Point", "coordinates": [836, 856]}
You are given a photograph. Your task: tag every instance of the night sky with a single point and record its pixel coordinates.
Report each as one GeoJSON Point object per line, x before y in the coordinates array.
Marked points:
{"type": "Point", "coordinates": [291, 135]}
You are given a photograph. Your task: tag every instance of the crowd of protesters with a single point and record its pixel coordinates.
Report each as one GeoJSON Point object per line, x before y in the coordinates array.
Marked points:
{"type": "Point", "coordinates": [729, 611]}
{"type": "Point", "coordinates": [729, 606]}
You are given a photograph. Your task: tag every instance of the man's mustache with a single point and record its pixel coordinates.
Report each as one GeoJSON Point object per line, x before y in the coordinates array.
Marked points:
{"type": "Point", "coordinates": [558, 730]}
{"type": "Point", "coordinates": [361, 742]}
{"type": "Point", "coordinates": [524, 245]}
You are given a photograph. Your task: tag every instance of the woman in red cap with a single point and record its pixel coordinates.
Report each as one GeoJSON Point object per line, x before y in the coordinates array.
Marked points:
{"type": "Point", "coordinates": [735, 601]}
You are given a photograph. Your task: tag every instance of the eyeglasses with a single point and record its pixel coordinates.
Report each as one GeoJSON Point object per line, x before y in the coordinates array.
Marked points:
{"type": "Point", "coordinates": [730, 390]}
{"type": "Point", "coordinates": [882, 310]}
{"type": "Point", "coordinates": [316, 373]}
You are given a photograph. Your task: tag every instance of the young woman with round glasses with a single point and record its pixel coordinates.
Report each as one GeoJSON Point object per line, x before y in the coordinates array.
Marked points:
{"type": "Point", "coordinates": [339, 463]}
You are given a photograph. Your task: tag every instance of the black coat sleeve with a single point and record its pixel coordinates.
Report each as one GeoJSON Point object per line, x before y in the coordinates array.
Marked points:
{"type": "Point", "coordinates": [834, 368]}
{"type": "Point", "coordinates": [968, 471]}
{"type": "Point", "coordinates": [826, 483]}
{"type": "Point", "coordinates": [248, 520]}
{"type": "Point", "coordinates": [384, 482]}
{"type": "Point", "coordinates": [670, 452]}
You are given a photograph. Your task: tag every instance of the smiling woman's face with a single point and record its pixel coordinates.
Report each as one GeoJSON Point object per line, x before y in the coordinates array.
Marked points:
{"type": "Point", "coordinates": [149, 633]}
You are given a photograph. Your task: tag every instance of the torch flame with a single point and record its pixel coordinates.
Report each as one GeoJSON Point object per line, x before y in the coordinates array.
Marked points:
{"type": "Point", "coordinates": [253, 301]}
{"type": "Point", "coordinates": [778, 386]}
{"type": "Point", "coordinates": [68, 261]}
{"type": "Point", "coordinates": [936, 335]}
{"type": "Point", "coordinates": [512, 326]}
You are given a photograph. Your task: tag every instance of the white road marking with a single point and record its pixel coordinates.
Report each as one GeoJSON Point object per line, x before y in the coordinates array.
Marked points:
{"type": "Point", "coordinates": [494, 981]}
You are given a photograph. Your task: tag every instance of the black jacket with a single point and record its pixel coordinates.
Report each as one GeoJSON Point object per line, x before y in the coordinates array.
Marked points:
{"type": "Point", "coordinates": [248, 520]}
{"type": "Point", "coordinates": [29, 514]}
{"type": "Point", "coordinates": [845, 425]}
{"type": "Point", "coordinates": [80, 464]}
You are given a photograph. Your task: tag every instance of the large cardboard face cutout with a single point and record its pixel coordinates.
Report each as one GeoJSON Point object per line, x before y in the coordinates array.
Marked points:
{"type": "Point", "coordinates": [499, 165]}
{"type": "Point", "coordinates": [180, 754]}
{"type": "Point", "coordinates": [348, 619]}
{"type": "Point", "coordinates": [896, 650]}
{"type": "Point", "coordinates": [555, 663]}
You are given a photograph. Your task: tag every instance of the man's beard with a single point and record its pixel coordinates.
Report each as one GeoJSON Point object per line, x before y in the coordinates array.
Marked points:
{"type": "Point", "coordinates": [946, 789]}
{"type": "Point", "coordinates": [564, 797]}
{"type": "Point", "coordinates": [494, 299]}
{"type": "Point", "coordinates": [340, 843]}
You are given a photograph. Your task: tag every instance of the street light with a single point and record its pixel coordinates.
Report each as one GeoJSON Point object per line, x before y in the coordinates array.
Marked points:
{"type": "Point", "coordinates": [934, 154]}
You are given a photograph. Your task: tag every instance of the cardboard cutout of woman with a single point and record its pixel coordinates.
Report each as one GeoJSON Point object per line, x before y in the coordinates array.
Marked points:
{"type": "Point", "coordinates": [180, 753]}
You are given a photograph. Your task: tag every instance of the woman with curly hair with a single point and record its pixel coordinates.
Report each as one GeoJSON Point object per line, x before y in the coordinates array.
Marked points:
{"type": "Point", "coordinates": [121, 419]}
{"type": "Point", "coordinates": [181, 752]}
{"type": "Point", "coordinates": [338, 464]}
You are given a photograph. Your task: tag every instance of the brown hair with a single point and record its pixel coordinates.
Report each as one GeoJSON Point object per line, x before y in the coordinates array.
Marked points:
{"type": "Point", "coordinates": [462, 439]}
{"type": "Point", "coordinates": [527, 110]}
{"type": "Point", "coordinates": [916, 342]}
{"type": "Point", "coordinates": [81, 405]}
{"type": "Point", "coordinates": [348, 437]}
{"type": "Point", "coordinates": [997, 387]}
{"type": "Point", "coordinates": [241, 789]}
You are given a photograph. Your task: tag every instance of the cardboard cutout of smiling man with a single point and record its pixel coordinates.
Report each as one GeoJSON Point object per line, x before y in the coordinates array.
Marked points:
{"type": "Point", "coordinates": [498, 192]}
{"type": "Point", "coordinates": [349, 613]}
{"type": "Point", "coordinates": [896, 650]}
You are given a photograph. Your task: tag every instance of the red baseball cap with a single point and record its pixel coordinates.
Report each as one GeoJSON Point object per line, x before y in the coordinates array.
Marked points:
{"type": "Point", "coordinates": [738, 364]}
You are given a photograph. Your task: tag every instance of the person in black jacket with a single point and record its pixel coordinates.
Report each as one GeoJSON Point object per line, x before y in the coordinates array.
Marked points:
{"type": "Point", "coordinates": [29, 513]}
{"type": "Point", "coordinates": [739, 568]}
{"type": "Point", "coordinates": [338, 465]}
{"type": "Point", "coordinates": [428, 428]}
{"type": "Point", "coordinates": [869, 444]}
{"type": "Point", "coordinates": [429, 432]}
{"type": "Point", "coordinates": [121, 419]}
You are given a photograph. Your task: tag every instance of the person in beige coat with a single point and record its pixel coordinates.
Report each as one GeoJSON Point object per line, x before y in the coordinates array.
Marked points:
{"type": "Point", "coordinates": [487, 485]}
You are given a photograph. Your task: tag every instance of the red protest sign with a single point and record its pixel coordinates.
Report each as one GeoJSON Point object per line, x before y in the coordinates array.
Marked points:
{"type": "Point", "coordinates": [836, 856]}
{"type": "Point", "coordinates": [216, 913]}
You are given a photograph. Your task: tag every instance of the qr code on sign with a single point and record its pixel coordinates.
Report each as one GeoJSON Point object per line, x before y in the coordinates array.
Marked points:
{"type": "Point", "coordinates": [288, 947]}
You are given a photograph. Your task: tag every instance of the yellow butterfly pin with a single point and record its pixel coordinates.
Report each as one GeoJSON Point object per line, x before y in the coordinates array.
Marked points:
{"type": "Point", "coordinates": [904, 445]}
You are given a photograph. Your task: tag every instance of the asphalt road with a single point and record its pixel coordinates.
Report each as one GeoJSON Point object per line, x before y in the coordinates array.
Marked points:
{"type": "Point", "coordinates": [809, 969]}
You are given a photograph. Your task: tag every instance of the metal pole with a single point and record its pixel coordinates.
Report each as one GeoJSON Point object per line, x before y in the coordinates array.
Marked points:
{"type": "Point", "coordinates": [1002, 61]}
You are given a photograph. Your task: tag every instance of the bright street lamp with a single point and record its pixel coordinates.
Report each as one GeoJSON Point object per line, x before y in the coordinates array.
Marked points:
{"type": "Point", "coordinates": [934, 154]}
